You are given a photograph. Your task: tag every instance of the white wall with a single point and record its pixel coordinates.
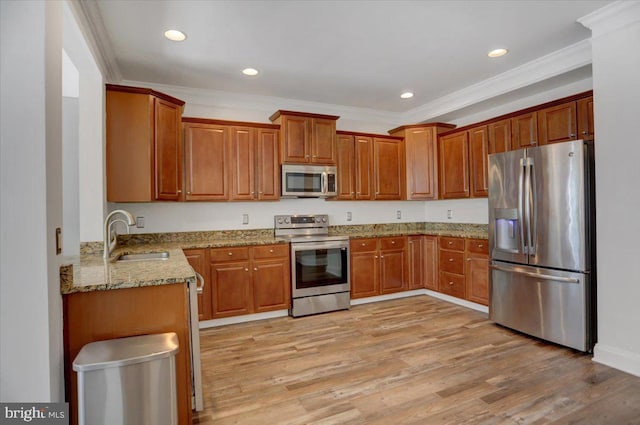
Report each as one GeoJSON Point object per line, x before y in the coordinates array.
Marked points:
{"type": "Point", "coordinates": [70, 158]}
{"type": "Point", "coordinates": [31, 356]}
{"type": "Point", "coordinates": [616, 82]}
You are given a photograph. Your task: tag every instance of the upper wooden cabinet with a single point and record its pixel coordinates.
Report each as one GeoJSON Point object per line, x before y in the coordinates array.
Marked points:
{"type": "Point", "coordinates": [144, 146]}
{"type": "Point", "coordinates": [524, 131]}
{"type": "Point", "coordinates": [585, 118]}
{"type": "Point", "coordinates": [421, 153]}
{"type": "Point", "coordinates": [306, 138]}
{"type": "Point", "coordinates": [363, 166]}
{"type": "Point", "coordinates": [453, 153]}
{"type": "Point", "coordinates": [227, 160]}
{"type": "Point", "coordinates": [478, 161]}
{"type": "Point", "coordinates": [345, 155]}
{"type": "Point", "coordinates": [557, 123]}
{"type": "Point", "coordinates": [499, 136]}
{"type": "Point", "coordinates": [388, 168]}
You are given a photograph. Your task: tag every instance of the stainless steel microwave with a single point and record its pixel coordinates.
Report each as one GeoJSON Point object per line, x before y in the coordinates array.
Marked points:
{"type": "Point", "coordinates": [308, 181]}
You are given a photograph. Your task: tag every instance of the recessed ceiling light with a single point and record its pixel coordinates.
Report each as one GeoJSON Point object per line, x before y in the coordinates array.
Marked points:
{"type": "Point", "coordinates": [175, 35]}
{"type": "Point", "coordinates": [250, 71]}
{"type": "Point", "coordinates": [406, 95]}
{"type": "Point", "coordinates": [497, 53]}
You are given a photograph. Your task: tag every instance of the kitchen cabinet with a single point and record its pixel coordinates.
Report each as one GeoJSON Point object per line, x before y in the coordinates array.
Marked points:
{"type": "Point", "coordinates": [557, 123]}
{"type": "Point", "coordinates": [228, 160]}
{"type": "Point", "coordinates": [363, 167]}
{"type": "Point", "coordinates": [207, 161]}
{"type": "Point", "coordinates": [454, 165]}
{"type": "Point", "coordinates": [479, 161]}
{"type": "Point", "coordinates": [585, 118]}
{"type": "Point", "coordinates": [477, 270]}
{"type": "Point", "coordinates": [248, 280]}
{"type": "Point", "coordinates": [306, 138]}
{"type": "Point", "coordinates": [144, 145]}
{"type": "Point", "coordinates": [416, 260]}
{"type": "Point", "coordinates": [378, 266]}
{"type": "Point", "coordinates": [451, 266]}
{"type": "Point", "coordinates": [524, 130]}
{"type": "Point", "coordinates": [430, 262]}
{"type": "Point", "coordinates": [421, 158]}
{"type": "Point", "coordinates": [388, 168]}
{"type": "Point", "coordinates": [197, 258]}
{"type": "Point", "coordinates": [499, 136]}
{"type": "Point", "coordinates": [117, 313]}
{"type": "Point", "coordinates": [345, 162]}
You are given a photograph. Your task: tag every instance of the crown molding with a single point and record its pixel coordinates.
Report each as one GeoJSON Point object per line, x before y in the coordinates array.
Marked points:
{"type": "Point", "coordinates": [543, 68]}
{"type": "Point", "coordinates": [612, 17]}
{"type": "Point", "coordinates": [268, 104]}
{"type": "Point", "coordinates": [87, 15]}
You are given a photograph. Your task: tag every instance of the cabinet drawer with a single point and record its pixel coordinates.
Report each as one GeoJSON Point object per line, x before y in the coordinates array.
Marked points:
{"type": "Point", "coordinates": [479, 246]}
{"type": "Point", "coordinates": [229, 254]}
{"type": "Point", "coordinates": [451, 261]}
{"type": "Point", "coordinates": [271, 251]}
{"type": "Point", "coordinates": [363, 245]}
{"type": "Point", "coordinates": [452, 284]}
{"type": "Point", "coordinates": [456, 244]}
{"type": "Point", "coordinates": [392, 243]}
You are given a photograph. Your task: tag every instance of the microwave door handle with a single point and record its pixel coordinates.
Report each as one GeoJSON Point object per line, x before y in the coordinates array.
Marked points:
{"type": "Point", "coordinates": [325, 185]}
{"type": "Point", "coordinates": [521, 224]}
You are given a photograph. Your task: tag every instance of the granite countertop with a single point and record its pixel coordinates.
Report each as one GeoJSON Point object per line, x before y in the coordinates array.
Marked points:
{"type": "Point", "coordinates": [89, 272]}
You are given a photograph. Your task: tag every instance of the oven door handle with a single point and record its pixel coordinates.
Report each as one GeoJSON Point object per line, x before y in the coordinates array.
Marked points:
{"type": "Point", "coordinates": [308, 246]}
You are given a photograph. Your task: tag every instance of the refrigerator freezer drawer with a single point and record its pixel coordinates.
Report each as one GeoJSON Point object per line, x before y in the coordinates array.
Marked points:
{"type": "Point", "coordinates": [549, 304]}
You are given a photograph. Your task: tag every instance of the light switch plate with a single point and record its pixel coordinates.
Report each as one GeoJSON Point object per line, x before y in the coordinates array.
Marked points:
{"type": "Point", "coordinates": [398, 214]}
{"type": "Point", "coordinates": [449, 214]}
{"type": "Point", "coordinates": [140, 222]}
{"type": "Point", "coordinates": [349, 216]}
{"type": "Point", "coordinates": [245, 218]}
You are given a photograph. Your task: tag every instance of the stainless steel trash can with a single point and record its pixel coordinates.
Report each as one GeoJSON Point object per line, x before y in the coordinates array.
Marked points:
{"type": "Point", "coordinates": [128, 381]}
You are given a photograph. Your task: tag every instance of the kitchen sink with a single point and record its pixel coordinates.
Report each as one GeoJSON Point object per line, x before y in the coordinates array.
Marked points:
{"type": "Point", "coordinates": [146, 256]}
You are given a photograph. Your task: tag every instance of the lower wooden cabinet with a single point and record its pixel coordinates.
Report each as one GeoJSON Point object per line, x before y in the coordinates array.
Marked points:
{"type": "Point", "coordinates": [378, 266]}
{"type": "Point", "coordinates": [464, 268]}
{"type": "Point", "coordinates": [430, 262]}
{"type": "Point", "coordinates": [416, 259]}
{"type": "Point", "coordinates": [451, 266]}
{"type": "Point", "coordinates": [242, 280]}
{"type": "Point", "coordinates": [477, 270]}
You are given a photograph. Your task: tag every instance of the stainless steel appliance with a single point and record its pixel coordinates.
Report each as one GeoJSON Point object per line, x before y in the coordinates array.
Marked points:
{"type": "Point", "coordinates": [197, 401]}
{"type": "Point", "coordinates": [319, 264]}
{"type": "Point", "coordinates": [308, 181]}
{"type": "Point", "coordinates": [542, 242]}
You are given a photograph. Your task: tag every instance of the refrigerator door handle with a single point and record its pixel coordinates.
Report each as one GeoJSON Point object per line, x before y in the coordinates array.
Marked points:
{"type": "Point", "coordinates": [521, 224]}
{"type": "Point", "coordinates": [538, 275]}
{"type": "Point", "coordinates": [533, 205]}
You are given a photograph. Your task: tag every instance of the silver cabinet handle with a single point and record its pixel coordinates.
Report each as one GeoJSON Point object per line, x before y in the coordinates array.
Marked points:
{"type": "Point", "coordinates": [199, 288]}
{"type": "Point", "coordinates": [541, 276]}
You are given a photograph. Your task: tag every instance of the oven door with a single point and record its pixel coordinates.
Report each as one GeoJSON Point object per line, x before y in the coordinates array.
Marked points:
{"type": "Point", "coordinates": [319, 268]}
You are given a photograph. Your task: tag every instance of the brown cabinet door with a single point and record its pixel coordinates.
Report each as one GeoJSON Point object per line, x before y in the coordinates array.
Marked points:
{"type": "Point", "coordinates": [231, 288]}
{"type": "Point", "coordinates": [206, 161]}
{"type": "Point", "coordinates": [168, 151]}
{"type": "Point", "coordinates": [452, 284]}
{"type": "Point", "coordinates": [268, 181]}
{"type": "Point", "coordinates": [388, 169]}
{"type": "Point", "coordinates": [499, 136]}
{"type": "Point", "coordinates": [345, 151]}
{"type": "Point", "coordinates": [421, 163]}
{"type": "Point", "coordinates": [585, 118]}
{"type": "Point", "coordinates": [415, 256]}
{"type": "Point", "coordinates": [364, 274]}
{"type": "Point", "coordinates": [271, 285]}
{"type": "Point", "coordinates": [364, 166]}
{"type": "Point", "coordinates": [454, 165]}
{"type": "Point", "coordinates": [198, 260]}
{"type": "Point", "coordinates": [478, 161]}
{"type": "Point", "coordinates": [323, 141]}
{"type": "Point", "coordinates": [524, 131]}
{"type": "Point", "coordinates": [431, 262]}
{"type": "Point", "coordinates": [557, 123]}
{"type": "Point", "coordinates": [295, 139]}
{"type": "Point", "coordinates": [477, 278]}
{"type": "Point", "coordinates": [393, 276]}
{"type": "Point", "coordinates": [242, 163]}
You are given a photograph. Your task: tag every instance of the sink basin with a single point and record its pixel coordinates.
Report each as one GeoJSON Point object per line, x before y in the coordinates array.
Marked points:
{"type": "Point", "coordinates": [146, 256]}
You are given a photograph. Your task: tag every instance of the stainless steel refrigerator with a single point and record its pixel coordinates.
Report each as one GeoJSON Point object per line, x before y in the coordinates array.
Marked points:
{"type": "Point", "coordinates": [542, 242]}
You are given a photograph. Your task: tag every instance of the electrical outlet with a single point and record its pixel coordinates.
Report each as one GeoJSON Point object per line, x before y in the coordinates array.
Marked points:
{"type": "Point", "coordinates": [245, 218]}
{"type": "Point", "coordinates": [349, 216]}
{"type": "Point", "coordinates": [398, 214]}
{"type": "Point", "coordinates": [449, 214]}
{"type": "Point", "coordinates": [140, 222]}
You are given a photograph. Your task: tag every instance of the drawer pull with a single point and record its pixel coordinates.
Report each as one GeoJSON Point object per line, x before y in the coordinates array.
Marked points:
{"type": "Point", "coordinates": [468, 258]}
{"type": "Point", "coordinates": [450, 259]}
{"type": "Point", "coordinates": [255, 269]}
{"type": "Point", "coordinates": [393, 242]}
{"type": "Point", "coordinates": [230, 254]}
{"type": "Point", "coordinates": [480, 245]}
{"type": "Point", "coordinates": [364, 244]}
{"type": "Point", "coordinates": [450, 243]}
{"type": "Point", "coordinates": [271, 251]}
{"type": "Point", "coordinates": [246, 269]}
{"type": "Point", "coordinates": [450, 283]}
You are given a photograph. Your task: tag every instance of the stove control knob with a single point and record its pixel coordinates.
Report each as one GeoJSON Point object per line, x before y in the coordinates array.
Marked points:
{"type": "Point", "coordinates": [280, 220]}
{"type": "Point", "coordinates": [286, 220]}
{"type": "Point", "coordinates": [324, 219]}
{"type": "Point", "coordinates": [317, 219]}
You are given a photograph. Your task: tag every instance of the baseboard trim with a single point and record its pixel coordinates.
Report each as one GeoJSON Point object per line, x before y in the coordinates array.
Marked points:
{"type": "Point", "coordinates": [617, 358]}
{"type": "Point", "coordinates": [463, 303]}
{"type": "Point", "coordinates": [386, 297]}
{"type": "Point", "coordinates": [242, 319]}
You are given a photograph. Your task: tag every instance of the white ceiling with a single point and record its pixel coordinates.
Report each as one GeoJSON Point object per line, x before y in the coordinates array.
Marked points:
{"type": "Point", "coordinates": [351, 53]}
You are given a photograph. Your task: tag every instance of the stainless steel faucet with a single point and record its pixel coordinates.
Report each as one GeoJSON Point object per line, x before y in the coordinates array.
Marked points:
{"type": "Point", "coordinates": [109, 235]}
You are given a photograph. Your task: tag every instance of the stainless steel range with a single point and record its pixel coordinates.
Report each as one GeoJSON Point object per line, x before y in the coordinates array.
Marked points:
{"type": "Point", "coordinates": [319, 264]}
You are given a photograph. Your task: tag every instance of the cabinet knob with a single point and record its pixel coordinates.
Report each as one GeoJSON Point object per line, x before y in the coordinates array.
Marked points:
{"type": "Point", "coordinates": [480, 245]}
{"type": "Point", "coordinates": [353, 193]}
{"type": "Point", "coordinates": [246, 269]}
{"type": "Point", "coordinates": [230, 254]}
{"type": "Point", "coordinates": [468, 259]}
{"type": "Point", "coordinates": [375, 256]}
{"type": "Point", "coordinates": [382, 256]}
{"type": "Point", "coordinates": [179, 191]}
{"type": "Point", "coordinates": [271, 251]}
{"type": "Point", "coordinates": [364, 244]}
{"type": "Point", "coordinates": [533, 142]}
{"type": "Point", "coordinates": [450, 283]}
{"type": "Point", "coordinates": [393, 242]}
{"type": "Point", "coordinates": [255, 269]}
{"type": "Point", "coordinates": [450, 243]}
{"type": "Point", "coordinates": [585, 132]}
{"type": "Point", "coordinates": [450, 259]}
{"type": "Point", "coordinates": [572, 135]}
{"type": "Point", "coordinates": [315, 156]}
{"type": "Point", "coordinates": [188, 193]}
{"type": "Point", "coordinates": [260, 193]}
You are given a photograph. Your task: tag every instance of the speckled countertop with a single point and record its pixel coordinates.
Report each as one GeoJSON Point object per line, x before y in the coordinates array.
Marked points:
{"type": "Point", "coordinates": [89, 272]}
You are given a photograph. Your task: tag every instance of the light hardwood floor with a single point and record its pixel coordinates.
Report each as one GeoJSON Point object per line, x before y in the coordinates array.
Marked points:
{"type": "Point", "coordinates": [409, 361]}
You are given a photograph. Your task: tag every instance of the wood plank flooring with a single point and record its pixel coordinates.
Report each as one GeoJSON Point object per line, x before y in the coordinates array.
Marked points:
{"type": "Point", "coordinates": [415, 360]}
